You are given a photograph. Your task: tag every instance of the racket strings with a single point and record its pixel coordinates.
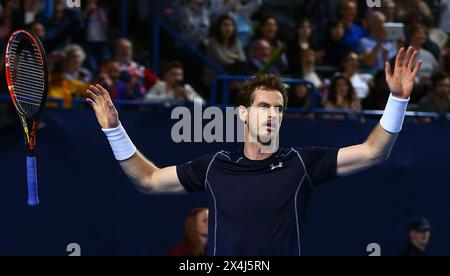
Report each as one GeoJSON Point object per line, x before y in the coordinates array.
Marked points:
{"type": "Point", "coordinates": [28, 75]}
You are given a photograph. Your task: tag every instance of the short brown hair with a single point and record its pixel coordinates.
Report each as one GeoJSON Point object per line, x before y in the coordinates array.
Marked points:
{"type": "Point", "coordinates": [168, 66]}
{"type": "Point", "coordinates": [267, 82]}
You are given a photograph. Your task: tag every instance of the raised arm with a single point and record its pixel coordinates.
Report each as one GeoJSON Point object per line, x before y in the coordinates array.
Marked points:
{"type": "Point", "coordinates": [146, 176]}
{"type": "Point", "coordinates": [378, 146]}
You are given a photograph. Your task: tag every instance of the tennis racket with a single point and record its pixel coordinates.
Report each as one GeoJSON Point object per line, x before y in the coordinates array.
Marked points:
{"type": "Point", "coordinates": [27, 79]}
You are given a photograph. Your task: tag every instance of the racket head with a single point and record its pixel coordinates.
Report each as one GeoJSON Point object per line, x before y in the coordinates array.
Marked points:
{"type": "Point", "coordinates": [27, 74]}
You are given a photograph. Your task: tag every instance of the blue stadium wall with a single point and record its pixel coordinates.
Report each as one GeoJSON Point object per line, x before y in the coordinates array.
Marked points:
{"type": "Point", "coordinates": [86, 199]}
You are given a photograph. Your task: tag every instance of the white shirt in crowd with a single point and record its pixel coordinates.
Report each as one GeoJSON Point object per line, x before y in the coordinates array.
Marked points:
{"type": "Point", "coordinates": [360, 83]}
{"type": "Point", "coordinates": [160, 94]}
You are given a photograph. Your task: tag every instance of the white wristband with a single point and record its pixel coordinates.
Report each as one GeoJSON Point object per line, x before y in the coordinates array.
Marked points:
{"type": "Point", "coordinates": [394, 114]}
{"type": "Point", "coordinates": [121, 144]}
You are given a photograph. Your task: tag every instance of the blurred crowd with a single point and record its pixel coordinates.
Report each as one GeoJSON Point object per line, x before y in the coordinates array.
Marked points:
{"type": "Point", "coordinates": [340, 46]}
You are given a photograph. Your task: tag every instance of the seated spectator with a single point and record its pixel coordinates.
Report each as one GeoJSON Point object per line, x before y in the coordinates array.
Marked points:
{"type": "Point", "coordinates": [192, 19]}
{"type": "Point", "coordinates": [195, 235]}
{"type": "Point", "coordinates": [110, 79]}
{"type": "Point", "coordinates": [414, 12]}
{"type": "Point", "coordinates": [242, 13]}
{"type": "Point", "coordinates": [430, 65]}
{"type": "Point", "coordinates": [268, 31]}
{"type": "Point", "coordinates": [308, 62]}
{"type": "Point", "coordinates": [419, 236]}
{"type": "Point", "coordinates": [96, 34]}
{"type": "Point", "coordinates": [438, 100]}
{"type": "Point", "coordinates": [342, 96]}
{"type": "Point", "coordinates": [333, 45]}
{"type": "Point", "coordinates": [63, 20]}
{"type": "Point", "coordinates": [303, 41]}
{"type": "Point", "coordinates": [172, 90]}
{"type": "Point", "coordinates": [444, 23]}
{"type": "Point", "coordinates": [260, 54]}
{"type": "Point", "coordinates": [360, 82]}
{"type": "Point", "coordinates": [379, 93]}
{"type": "Point", "coordinates": [31, 9]}
{"type": "Point", "coordinates": [375, 50]}
{"type": "Point", "coordinates": [445, 58]}
{"type": "Point", "coordinates": [389, 9]}
{"type": "Point", "coordinates": [75, 57]}
{"type": "Point", "coordinates": [131, 72]}
{"type": "Point", "coordinates": [300, 98]}
{"type": "Point", "coordinates": [62, 88]}
{"type": "Point", "coordinates": [353, 32]}
{"type": "Point", "coordinates": [8, 19]}
{"type": "Point", "coordinates": [224, 48]}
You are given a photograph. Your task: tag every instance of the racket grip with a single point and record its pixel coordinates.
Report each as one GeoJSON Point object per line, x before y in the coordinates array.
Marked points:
{"type": "Point", "coordinates": [33, 198]}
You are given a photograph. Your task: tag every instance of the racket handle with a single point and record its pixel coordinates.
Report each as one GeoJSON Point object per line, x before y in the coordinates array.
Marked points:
{"type": "Point", "coordinates": [33, 198]}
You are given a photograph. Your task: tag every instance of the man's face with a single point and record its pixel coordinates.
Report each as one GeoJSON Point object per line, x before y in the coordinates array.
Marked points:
{"type": "Point", "coordinates": [174, 76]}
{"type": "Point", "coordinates": [270, 28]}
{"type": "Point", "coordinates": [377, 26]}
{"type": "Point", "coordinates": [443, 88]}
{"type": "Point", "coordinates": [265, 115]}
{"type": "Point", "coordinates": [124, 50]}
{"type": "Point", "coordinates": [349, 12]}
{"type": "Point", "coordinates": [421, 238]}
{"type": "Point", "coordinates": [262, 51]}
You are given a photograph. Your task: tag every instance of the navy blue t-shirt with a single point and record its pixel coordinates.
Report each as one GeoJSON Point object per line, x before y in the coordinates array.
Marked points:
{"type": "Point", "coordinates": [256, 207]}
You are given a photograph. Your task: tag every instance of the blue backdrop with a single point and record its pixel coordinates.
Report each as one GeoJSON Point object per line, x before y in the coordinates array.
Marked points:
{"type": "Point", "coordinates": [86, 199]}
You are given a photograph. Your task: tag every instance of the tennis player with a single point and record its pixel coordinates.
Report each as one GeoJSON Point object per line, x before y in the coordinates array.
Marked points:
{"type": "Point", "coordinates": [257, 198]}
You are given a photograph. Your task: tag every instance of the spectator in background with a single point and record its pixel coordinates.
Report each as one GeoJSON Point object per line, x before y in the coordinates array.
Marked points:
{"type": "Point", "coordinates": [445, 58]}
{"type": "Point", "coordinates": [414, 12]}
{"type": "Point", "coordinates": [333, 45]}
{"type": "Point", "coordinates": [301, 97]}
{"type": "Point", "coordinates": [438, 100]}
{"type": "Point", "coordinates": [342, 96]}
{"type": "Point", "coordinates": [193, 20]}
{"type": "Point", "coordinates": [75, 57]}
{"type": "Point", "coordinates": [389, 9]}
{"type": "Point", "coordinates": [379, 93]}
{"type": "Point", "coordinates": [444, 23]}
{"type": "Point", "coordinates": [242, 13]}
{"type": "Point", "coordinates": [8, 19]}
{"type": "Point", "coordinates": [375, 50]}
{"type": "Point", "coordinates": [268, 31]}
{"type": "Point", "coordinates": [303, 41]}
{"type": "Point", "coordinates": [195, 235]}
{"type": "Point", "coordinates": [353, 32]}
{"type": "Point", "coordinates": [131, 72]}
{"type": "Point", "coordinates": [360, 82]}
{"type": "Point", "coordinates": [63, 88]}
{"type": "Point", "coordinates": [308, 62]}
{"type": "Point", "coordinates": [419, 35]}
{"type": "Point", "coordinates": [172, 90]}
{"type": "Point", "coordinates": [224, 47]}
{"type": "Point", "coordinates": [96, 34]}
{"type": "Point", "coordinates": [110, 79]}
{"type": "Point", "coordinates": [419, 234]}
{"type": "Point", "coordinates": [260, 53]}
{"type": "Point", "coordinates": [32, 9]}
{"type": "Point", "coordinates": [63, 20]}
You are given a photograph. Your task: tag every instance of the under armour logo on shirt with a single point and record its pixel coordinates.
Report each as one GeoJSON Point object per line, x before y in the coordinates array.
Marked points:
{"type": "Point", "coordinates": [274, 167]}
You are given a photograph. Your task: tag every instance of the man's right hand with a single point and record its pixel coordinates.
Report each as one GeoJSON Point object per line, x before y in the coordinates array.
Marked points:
{"type": "Point", "coordinates": [101, 102]}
